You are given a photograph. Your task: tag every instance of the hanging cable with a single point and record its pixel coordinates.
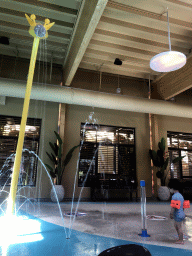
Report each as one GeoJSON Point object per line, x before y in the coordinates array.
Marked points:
{"type": "Point", "coordinates": [100, 80]}
{"type": "Point", "coordinates": [51, 68]}
{"type": "Point", "coordinates": [118, 89]}
{"type": "Point", "coordinates": [168, 31]}
{"type": "Point", "coordinates": [17, 53]}
{"type": "Point", "coordinates": [100, 75]}
{"type": "Point", "coordinates": [45, 61]}
{"type": "Point", "coordinates": [150, 135]}
{"type": "Point", "coordinates": [1, 63]}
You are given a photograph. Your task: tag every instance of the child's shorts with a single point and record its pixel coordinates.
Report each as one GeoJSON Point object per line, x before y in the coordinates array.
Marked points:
{"type": "Point", "coordinates": [178, 219]}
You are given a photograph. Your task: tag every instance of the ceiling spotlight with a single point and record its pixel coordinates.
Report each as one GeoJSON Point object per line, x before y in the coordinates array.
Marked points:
{"type": "Point", "coordinates": [4, 40]}
{"type": "Point", "coordinates": [169, 60]}
{"type": "Point", "coordinates": [118, 62]}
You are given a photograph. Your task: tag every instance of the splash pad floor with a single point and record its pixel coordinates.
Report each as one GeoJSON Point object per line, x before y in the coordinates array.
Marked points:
{"type": "Point", "coordinates": [105, 225]}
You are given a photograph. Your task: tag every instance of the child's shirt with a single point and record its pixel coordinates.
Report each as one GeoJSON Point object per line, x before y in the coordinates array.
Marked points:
{"type": "Point", "coordinates": [179, 214]}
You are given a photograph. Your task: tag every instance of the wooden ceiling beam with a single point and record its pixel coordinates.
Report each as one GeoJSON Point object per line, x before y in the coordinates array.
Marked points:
{"type": "Point", "coordinates": [87, 22]}
{"type": "Point", "coordinates": [110, 63]}
{"type": "Point", "coordinates": [148, 14]}
{"type": "Point", "coordinates": [72, 4]}
{"type": "Point", "coordinates": [25, 34]}
{"type": "Point", "coordinates": [146, 29]}
{"type": "Point", "coordinates": [39, 11]}
{"type": "Point", "coordinates": [122, 47]}
{"type": "Point", "coordinates": [144, 42]}
{"type": "Point", "coordinates": [120, 52]}
{"type": "Point", "coordinates": [26, 54]}
{"type": "Point", "coordinates": [123, 57]}
{"type": "Point", "coordinates": [130, 30]}
{"type": "Point", "coordinates": [15, 24]}
{"type": "Point", "coordinates": [181, 4]}
{"type": "Point", "coordinates": [116, 70]}
{"type": "Point", "coordinates": [173, 83]}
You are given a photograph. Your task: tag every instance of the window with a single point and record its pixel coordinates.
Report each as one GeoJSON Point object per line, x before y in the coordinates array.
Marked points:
{"type": "Point", "coordinates": [180, 144]}
{"type": "Point", "coordinates": [106, 151]}
{"type": "Point", "coordinates": [9, 132]}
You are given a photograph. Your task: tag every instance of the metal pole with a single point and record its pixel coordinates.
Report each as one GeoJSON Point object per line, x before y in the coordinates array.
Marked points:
{"type": "Point", "coordinates": [38, 31]}
{"type": "Point", "coordinates": [17, 163]}
{"type": "Point", "coordinates": [143, 209]}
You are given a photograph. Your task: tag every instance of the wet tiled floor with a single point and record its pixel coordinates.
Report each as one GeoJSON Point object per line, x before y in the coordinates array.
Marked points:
{"type": "Point", "coordinates": [99, 226]}
{"type": "Point", "coordinates": [123, 221]}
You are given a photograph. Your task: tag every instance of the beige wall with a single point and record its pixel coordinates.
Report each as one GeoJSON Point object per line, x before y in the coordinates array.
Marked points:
{"type": "Point", "coordinates": [175, 124]}
{"type": "Point", "coordinates": [18, 69]}
{"type": "Point", "coordinates": [77, 114]}
{"type": "Point", "coordinates": [48, 112]}
{"type": "Point", "coordinates": [90, 80]}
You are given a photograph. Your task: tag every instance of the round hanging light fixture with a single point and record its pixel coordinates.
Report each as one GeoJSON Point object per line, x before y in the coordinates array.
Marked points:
{"type": "Point", "coordinates": [169, 60]}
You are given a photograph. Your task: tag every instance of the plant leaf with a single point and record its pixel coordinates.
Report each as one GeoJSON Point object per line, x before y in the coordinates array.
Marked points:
{"type": "Point", "coordinates": [153, 154]}
{"type": "Point", "coordinates": [164, 167]}
{"type": "Point", "coordinates": [162, 144]}
{"type": "Point", "coordinates": [60, 151]}
{"type": "Point", "coordinates": [54, 159]}
{"type": "Point", "coordinates": [160, 155]}
{"type": "Point", "coordinates": [58, 137]}
{"type": "Point", "coordinates": [51, 171]}
{"type": "Point", "coordinates": [154, 157]}
{"type": "Point", "coordinates": [56, 170]}
{"type": "Point", "coordinates": [69, 155]}
{"type": "Point", "coordinates": [54, 147]}
{"type": "Point", "coordinates": [59, 169]}
{"type": "Point", "coordinates": [177, 159]}
{"type": "Point", "coordinates": [51, 157]}
{"type": "Point", "coordinates": [53, 175]}
{"type": "Point", "coordinates": [159, 175]}
{"type": "Point", "coordinates": [49, 167]}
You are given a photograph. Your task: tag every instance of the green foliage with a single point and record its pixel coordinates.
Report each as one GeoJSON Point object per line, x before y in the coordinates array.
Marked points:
{"type": "Point", "coordinates": [69, 155]}
{"type": "Point", "coordinates": [55, 157]}
{"type": "Point", "coordinates": [162, 144]}
{"type": "Point", "coordinates": [58, 138]}
{"type": "Point", "coordinates": [54, 147]}
{"type": "Point", "coordinates": [161, 161]}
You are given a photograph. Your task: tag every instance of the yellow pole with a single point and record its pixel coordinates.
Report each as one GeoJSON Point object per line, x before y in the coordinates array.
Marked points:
{"type": "Point", "coordinates": [38, 31]}
{"type": "Point", "coordinates": [17, 163]}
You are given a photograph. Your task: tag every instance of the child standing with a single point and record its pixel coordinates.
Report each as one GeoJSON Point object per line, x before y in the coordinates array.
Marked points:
{"type": "Point", "coordinates": [177, 214]}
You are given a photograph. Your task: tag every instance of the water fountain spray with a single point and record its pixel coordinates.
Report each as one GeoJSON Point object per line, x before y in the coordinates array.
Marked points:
{"type": "Point", "coordinates": [38, 31]}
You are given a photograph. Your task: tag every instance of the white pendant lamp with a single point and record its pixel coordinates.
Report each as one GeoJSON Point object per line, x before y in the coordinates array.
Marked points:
{"type": "Point", "coordinates": [169, 60]}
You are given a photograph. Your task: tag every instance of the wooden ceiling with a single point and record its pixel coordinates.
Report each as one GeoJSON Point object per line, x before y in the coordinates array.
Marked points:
{"type": "Point", "coordinates": [14, 25]}
{"type": "Point", "coordinates": [90, 34]}
{"type": "Point", "coordinates": [135, 31]}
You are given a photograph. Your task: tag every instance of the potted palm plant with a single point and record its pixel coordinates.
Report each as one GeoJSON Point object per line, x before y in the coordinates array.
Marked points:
{"type": "Point", "coordinates": [58, 166]}
{"type": "Point", "coordinates": [161, 161]}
